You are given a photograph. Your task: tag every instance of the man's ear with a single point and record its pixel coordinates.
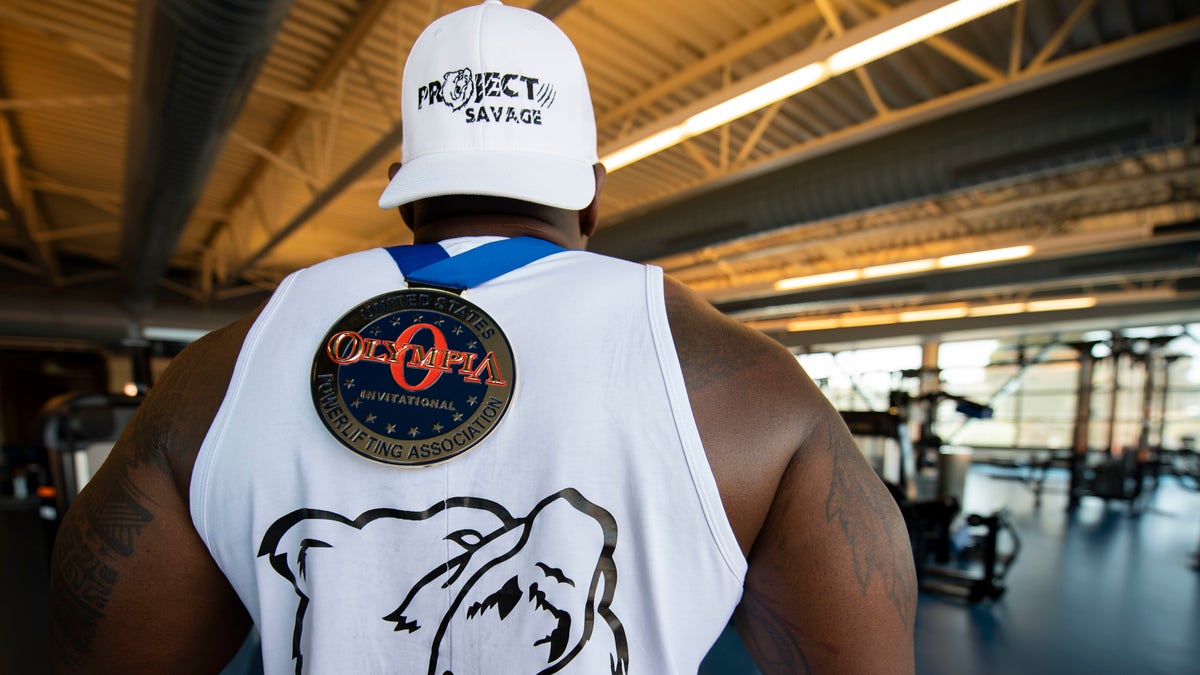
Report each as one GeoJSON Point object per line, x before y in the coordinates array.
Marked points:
{"type": "Point", "coordinates": [589, 217]}
{"type": "Point", "coordinates": [393, 170]}
{"type": "Point", "coordinates": [407, 215]}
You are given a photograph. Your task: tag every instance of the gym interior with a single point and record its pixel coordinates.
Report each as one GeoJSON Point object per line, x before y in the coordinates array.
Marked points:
{"type": "Point", "coordinates": [975, 224]}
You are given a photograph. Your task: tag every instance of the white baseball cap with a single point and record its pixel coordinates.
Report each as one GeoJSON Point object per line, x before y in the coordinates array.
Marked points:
{"type": "Point", "coordinates": [495, 102]}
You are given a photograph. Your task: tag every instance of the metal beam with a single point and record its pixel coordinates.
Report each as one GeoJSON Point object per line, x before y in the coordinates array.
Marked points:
{"type": "Point", "coordinates": [20, 203]}
{"type": "Point", "coordinates": [864, 78]}
{"type": "Point", "coordinates": [278, 162]}
{"type": "Point", "coordinates": [804, 14]}
{"type": "Point", "coordinates": [744, 277]}
{"type": "Point", "coordinates": [366, 19]}
{"type": "Point", "coordinates": [372, 157]}
{"type": "Point", "coordinates": [1060, 36]}
{"type": "Point", "coordinates": [90, 40]}
{"type": "Point", "coordinates": [837, 233]}
{"type": "Point", "coordinates": [314, 103]}
{"type": "Point", "coordinates": [1008, 385]}
{"type": "Point", "coordinates": [952, 50]}
{"type": "Point", "coordinates": [80, 231]}
{"type": "Point", "coordinates": [1101, 317]}
{"type": "Point", "coordinates": [27, 104]}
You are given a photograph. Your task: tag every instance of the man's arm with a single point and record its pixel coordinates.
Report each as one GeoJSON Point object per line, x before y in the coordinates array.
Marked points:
{"type": "Point", "coordinates": [831, 586]}
{"type": "Point", "coordinates": [132, 587]}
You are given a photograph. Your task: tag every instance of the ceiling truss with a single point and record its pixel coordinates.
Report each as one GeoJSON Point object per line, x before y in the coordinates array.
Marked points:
{"type": "Point", "coordinates": [298, 177]}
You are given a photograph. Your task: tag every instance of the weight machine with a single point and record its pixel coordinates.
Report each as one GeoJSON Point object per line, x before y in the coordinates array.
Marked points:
{"type": "Point", "coordinates": [1116, 472]}
{"type": "Point", "coordinates": [78, 431]}
{"type": "Point", "coordinates": [963, 561]}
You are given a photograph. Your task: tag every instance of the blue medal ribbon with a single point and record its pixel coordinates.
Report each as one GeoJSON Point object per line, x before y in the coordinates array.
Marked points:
{"type": "Point", "coordinates": [429, 264]}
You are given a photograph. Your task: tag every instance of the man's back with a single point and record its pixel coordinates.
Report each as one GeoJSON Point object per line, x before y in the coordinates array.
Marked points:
{"type": "Point", "coordinates": [818, 536]}
{"type": "Point", "coordinates": [573, 537]}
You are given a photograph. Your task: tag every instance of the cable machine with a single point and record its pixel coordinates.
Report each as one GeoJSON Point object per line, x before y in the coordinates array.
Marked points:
{"type": "Point", "coordinates": [1119, 472]}
{"type": "Point", "coordinates": [955, 554]}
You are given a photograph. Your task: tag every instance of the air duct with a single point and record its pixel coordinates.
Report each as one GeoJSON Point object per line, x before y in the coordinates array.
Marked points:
{"type": "Point", "coordinates": [194, 63]}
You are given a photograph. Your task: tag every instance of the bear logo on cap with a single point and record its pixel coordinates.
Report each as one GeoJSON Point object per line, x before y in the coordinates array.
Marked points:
{"type": "Point", "coordinates": [458, 87]}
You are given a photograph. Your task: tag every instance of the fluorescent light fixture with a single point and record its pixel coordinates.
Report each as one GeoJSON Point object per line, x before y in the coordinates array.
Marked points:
{"type": "Point", "coordinates": [1060, 304]}
{"type": "Point", "coordinates": [910, 267]}
{"type": "Point", "coordinates": [997, 310]}
{"type": "Point", "coordinates": [760, 97]}
{"type": "Point", "coordinates": [644, 148]}
{"type": "Point", "coordinates": [934, 314]}
{"type": "Point", "coordinates": [169, 334]}
{"type": "Point", "coordinates": [812, 324]}
{"type": "Point", "coordinates": [937, 313]}
{"type": "Point", "coordinates": [720, 114]}
{"type": "Point", "coordinates": [911, 32]}
{"type": "Point", "coordinates": [982, 257]}
{"type": "Point", "coordinates": [817, 280]}
{"type": "Point", "coordinates": [855, 320]}
{"type": "Point", "coordinates": [807, 76]}
{"type": "Point", "coordinates": [894, 269]}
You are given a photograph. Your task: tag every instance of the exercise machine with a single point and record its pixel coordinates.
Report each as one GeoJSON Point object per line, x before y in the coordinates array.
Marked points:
{"type": "Point", "coordinates": [955, 554]}
{"type": "Point", "coordinates": [78, 431]}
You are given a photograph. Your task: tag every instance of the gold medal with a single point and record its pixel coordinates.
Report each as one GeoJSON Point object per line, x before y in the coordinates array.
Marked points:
{"type": "Point", "coordinates": [413, 377]}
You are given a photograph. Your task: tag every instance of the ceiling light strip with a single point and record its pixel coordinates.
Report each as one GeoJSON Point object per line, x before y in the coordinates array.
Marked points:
{"type": "Point", "coordinates": [938, 313]}
{"type": "Point", "coordinates": [867, 49]}
{"type": "Point", "coordinates": [910, 267]}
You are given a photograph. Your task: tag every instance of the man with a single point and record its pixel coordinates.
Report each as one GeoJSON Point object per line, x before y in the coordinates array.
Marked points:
{"type": "Point", "coordinates": [490, 452]}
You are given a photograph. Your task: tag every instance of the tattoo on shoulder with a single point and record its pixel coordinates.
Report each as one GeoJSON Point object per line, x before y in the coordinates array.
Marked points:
{"type": "Point", "coordinates": [852, 504]}
{"type": "Point", "coordinates": [768, 637]}
{"type": "Point", "coordinates": [82, 584]}
{"type": "Point", "coordinates": [101, 530]}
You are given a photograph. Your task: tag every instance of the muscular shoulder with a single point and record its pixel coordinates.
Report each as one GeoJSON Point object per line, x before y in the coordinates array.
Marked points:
{"type": "Point", "coordinates": [174, 419]}
{"type": "Point", "coordinates": [716, 350]}
{"type": "Point", "coordinates": [753, 403]}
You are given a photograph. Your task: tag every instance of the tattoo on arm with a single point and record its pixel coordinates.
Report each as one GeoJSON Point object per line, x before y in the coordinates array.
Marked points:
{"type": "Point", "coordinates": [102, 532]}
{"type": "Point", "coordinates": [769, 637]}
{"type": "Point", "coordinates": [99, 533]}
{"type": "Point", "coordinates": [879, 553]}
{"type": "Point", "coordinates": [83, 584]}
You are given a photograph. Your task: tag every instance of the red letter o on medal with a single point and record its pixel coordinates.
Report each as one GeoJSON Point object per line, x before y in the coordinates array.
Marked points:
{"type": "Point", "coordinates": [431, 374]}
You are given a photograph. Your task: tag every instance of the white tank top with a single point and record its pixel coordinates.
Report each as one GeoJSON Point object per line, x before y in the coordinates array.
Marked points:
{"type": "Point", "coordinates": [583, 533]}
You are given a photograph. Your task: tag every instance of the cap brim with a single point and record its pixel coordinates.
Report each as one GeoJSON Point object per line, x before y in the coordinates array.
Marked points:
{"type": "Point", "coordinates": [542, 179]}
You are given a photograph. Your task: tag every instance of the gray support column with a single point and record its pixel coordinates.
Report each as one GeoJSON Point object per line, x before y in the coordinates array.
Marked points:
{"type": "Point", "coordinates": [1119, 348]}
{"type": "Point", "coordinates": [1083, 420]}
{"type": "Point", "coordinates": [1149, 369]}
{"type": "Point", "coordinates": [1160, 430]}
{"type": "Point", "coordinates": [928, 387]}
{"type": "Point", "coordinates": [1154, 391]}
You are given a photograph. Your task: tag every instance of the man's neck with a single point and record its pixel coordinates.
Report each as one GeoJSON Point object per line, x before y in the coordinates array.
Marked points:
{"type": "Point", "coordinates": [496, 226]}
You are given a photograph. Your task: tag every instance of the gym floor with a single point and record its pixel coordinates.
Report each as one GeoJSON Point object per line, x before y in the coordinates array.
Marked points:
{"type": "Point", "coordinates": [1106, 589]}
